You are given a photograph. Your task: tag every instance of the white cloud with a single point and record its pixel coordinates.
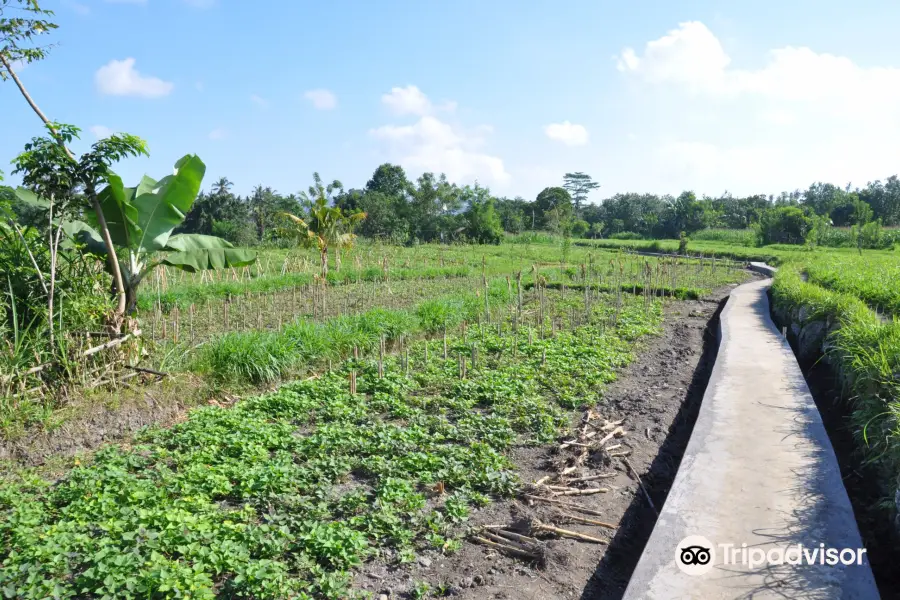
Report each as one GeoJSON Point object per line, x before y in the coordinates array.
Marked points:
{"type": "Point", "coordinates": [321, 99]}
{"type": "Point", "coordinates": [801, 116]}
{"type": "Point", "coordinates": [259, 101]}
{"type": "Point", "coordinates": [120, 78]}
{"type": "Point", "coordinates": [431, 144]}
{"type": "Point", "coordinates": [101, 131]}
{"type": "Point", "coordinates": [693, 57]}
{"type": "Point", "coordinates": [568, 133]}
{"type": "Point", "coordinates": [690, 54]}
{"type": "Point", "coordinates": [410, 100]}
{"type": "Point", "coordinates": [218, 134]}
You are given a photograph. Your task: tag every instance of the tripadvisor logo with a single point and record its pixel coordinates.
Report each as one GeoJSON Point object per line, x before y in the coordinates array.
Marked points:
{"type": "Point", "coordinates": [695, 555]}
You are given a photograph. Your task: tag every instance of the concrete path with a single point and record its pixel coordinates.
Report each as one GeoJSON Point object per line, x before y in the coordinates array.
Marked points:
{"type": "Point", "coordinates": [759, 470]}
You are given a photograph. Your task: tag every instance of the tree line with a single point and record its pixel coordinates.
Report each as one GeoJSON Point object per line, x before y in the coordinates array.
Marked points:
{"type": "Point", "coordinates": [430, 208]}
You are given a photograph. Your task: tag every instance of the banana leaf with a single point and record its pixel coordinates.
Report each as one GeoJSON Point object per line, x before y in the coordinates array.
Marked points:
{"type": "Point", "coordinates": [195, 252]}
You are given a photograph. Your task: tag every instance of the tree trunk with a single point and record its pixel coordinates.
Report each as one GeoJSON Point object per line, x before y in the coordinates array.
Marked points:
{"type": "Point", "coordinates": [130, 300]}
{"type": "Point", "coordinates": [324, 264]}
{"type": "Point", "coordinates": [337, 260]}
{"type": "Point", "coordinates": [119, 315]}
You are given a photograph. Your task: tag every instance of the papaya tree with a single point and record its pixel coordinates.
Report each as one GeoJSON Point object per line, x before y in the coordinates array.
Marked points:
{"type": "Point", "coordinates": [140, 221]}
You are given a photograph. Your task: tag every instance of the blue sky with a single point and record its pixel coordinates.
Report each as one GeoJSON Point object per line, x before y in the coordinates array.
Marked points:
{"type": "Point", "coordinates": [655, 96]}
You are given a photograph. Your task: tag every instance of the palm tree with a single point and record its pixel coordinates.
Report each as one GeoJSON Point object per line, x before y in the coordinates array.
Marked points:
{"type": "Point", "coordinates": [325, 226]}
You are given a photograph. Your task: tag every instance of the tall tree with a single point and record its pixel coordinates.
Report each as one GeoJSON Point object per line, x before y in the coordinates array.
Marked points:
{"type": "Point", "coordinates": [434, 208]}
{"type": "Point", "coordinates": [579, 185]}
{"type": "Point", "coordinates": [262, 203]}
{"type": "Point", "coordinates": [482, 223]}
{"type": "Point", "coordinates": [319, 190]}
{"type": "Point", "coordinates": [390, 180]}
{"type": "Point", "coordinates": [17, 33]}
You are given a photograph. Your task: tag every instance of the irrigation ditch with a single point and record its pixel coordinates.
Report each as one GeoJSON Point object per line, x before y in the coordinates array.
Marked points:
{"type": "Point", "coordinates": [875, 516]}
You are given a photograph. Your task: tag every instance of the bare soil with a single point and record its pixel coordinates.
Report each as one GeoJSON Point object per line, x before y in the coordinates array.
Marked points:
{"type": "Point", "coordinates": [657, 396]}
{"type": "Point", "coordinates": [86, 423]}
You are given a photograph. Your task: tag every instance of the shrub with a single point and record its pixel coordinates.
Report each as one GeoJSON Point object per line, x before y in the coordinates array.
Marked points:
{"type": "Point", "coordinates": [580, 228]}
{"type": "Point", "coordinates": [626, 235]}
{"type": "Point", "coordinates": [784, 225]}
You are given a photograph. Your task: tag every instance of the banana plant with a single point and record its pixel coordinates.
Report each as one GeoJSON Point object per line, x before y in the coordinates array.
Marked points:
{"type": "Point", "coordinates": [141, 220]}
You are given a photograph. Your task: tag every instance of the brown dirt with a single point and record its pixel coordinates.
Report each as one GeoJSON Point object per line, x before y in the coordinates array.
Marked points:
{"type": "Point", "coordinates": [86, 423]}
{"type": "Point", "coordinates": [658, 396]}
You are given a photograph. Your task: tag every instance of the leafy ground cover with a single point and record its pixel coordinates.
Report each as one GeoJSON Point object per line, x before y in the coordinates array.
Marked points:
{"type": "Point", "coordinates": [283, 495]}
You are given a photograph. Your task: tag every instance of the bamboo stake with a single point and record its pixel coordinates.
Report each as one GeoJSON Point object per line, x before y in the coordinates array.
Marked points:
{"type": "Point", "coordinates": [641, 484]}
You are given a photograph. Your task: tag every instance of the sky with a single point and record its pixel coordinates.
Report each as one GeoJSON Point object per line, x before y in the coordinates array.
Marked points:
{"type": "Point", "coordinates": [653, 96]}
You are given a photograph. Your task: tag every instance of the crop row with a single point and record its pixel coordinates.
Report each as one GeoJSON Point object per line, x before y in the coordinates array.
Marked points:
{"type": "Point", "coordinates": [283, 495]}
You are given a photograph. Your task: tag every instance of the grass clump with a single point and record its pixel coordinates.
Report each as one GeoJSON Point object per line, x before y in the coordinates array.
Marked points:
{"type": "Point", "coordinates": [258, 357]}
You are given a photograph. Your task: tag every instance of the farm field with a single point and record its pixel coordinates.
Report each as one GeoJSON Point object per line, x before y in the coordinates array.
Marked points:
{"type": "Point", "coordinates": [377, 417]}
{"type": "Point", "coordinates": [289, 491]}
{"type": "Point", "coordinates": [378, 340]}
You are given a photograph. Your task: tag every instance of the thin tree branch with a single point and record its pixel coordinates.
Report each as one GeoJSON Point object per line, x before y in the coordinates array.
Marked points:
{"type": "Point", "coordinates": [31, 256]}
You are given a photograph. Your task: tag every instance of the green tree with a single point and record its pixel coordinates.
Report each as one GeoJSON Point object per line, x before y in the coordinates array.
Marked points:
{"type": "Point", "coordinates": [513, 213]}
{"type": "Point", "coordinates": [385, 214]}
{"type": "Point", "coordinates": [391, 181]}
{"type": "Point", "coordinates": [220, 206]}
{"type": "Point", "coordinates": [554, 208]}
{"type": "Point", "coordinates": [140, 220]}
{"type": "Point", "coordinates": [434, 208]}
{"type": "Point", "coordinates": [262, 203]}
{"type": "Point", "coordinates": [482, 221]}
{"type": "Point", "coordinates": [580, 228]}
{"type": "Point", "coordinates": [784, 225]}
{"type": "Point", "coordinates": [579, 185]}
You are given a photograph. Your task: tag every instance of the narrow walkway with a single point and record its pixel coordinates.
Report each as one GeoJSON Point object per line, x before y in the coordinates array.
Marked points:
{"type": "Point", "coordinates": [759, 470]}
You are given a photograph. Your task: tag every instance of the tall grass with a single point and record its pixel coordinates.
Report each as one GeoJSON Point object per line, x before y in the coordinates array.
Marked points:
{"type": "Point", "coordinates": [874, 279]}
{"type": "Point", "coordinates": [259, 357]}
{"type": "Point", "coordinates": [736, 237]}
{"type": "Point", "coordinates": [865, 353]}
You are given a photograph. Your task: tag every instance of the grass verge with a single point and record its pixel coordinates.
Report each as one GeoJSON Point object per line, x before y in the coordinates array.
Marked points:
{"type": "Point", "coordinates": [865, 353]}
